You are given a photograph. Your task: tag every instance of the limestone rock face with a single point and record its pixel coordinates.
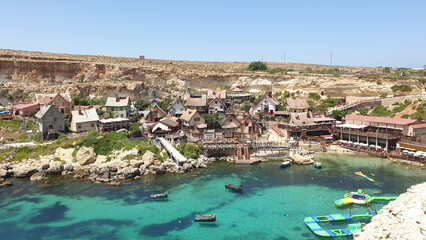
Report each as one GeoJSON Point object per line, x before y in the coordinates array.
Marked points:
{"type": "Point", "coordinates": [404, 218]}
{"type": "Point", "coordinates": [4, 173]}
{"type": "Point", "coordinates": [55, 168]}
{"type": "Point", "coordinates": [38, 176]}
{"type": "Point", "coordinates": [23, 171]}
{"type": "Point", "coordinates": [148, 158]}
{"type": "Point", "coordinates": [86, 156]}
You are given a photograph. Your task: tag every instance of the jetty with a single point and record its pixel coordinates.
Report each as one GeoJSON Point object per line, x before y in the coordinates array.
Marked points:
{"type": "Point", "coordinates": [173, 152]}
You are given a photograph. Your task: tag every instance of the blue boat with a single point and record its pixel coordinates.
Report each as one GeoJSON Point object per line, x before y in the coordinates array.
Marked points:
{"type": "Point", "coordinates": [159, 195]}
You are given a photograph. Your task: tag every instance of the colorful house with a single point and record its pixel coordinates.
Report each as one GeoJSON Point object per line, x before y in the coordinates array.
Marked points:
{"type": "Point", "coordinates": [267, 105]}
{"type": "Point", "coordinates": [119, 106]}
{"type": "Point", "coordinates": [61, 101]}
{"type": "Point", "coordinates": [25, 109]}
{"type": "Point", "coordinates": [216, 105]}
{"type": "Point", "coordinates": [176, 108]}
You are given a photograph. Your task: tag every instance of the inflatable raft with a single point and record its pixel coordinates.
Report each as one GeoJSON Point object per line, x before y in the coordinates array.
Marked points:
{"type": "Point", "coordinates": [359, 197]}
{"type": "Point", "coordinates": [313, 224]}
{"type": "Point", "coordinates": [364, 176]}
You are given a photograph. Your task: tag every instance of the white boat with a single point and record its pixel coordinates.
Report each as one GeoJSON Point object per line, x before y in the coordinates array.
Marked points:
{"type": "Point", "coordinates": [285, 164]}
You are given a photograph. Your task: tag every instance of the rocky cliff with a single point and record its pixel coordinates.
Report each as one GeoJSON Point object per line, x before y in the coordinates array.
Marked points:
{"type": "Point", "coordinates": [404, 218]}
{"type": "Point", "coordinates": [24, 73]}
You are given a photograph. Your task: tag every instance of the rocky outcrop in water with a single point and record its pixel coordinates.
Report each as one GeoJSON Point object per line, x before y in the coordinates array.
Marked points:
{"type": "Point", "coordinates": [404, 218]}
{"type": "Point", "coordinates": [97, 168]}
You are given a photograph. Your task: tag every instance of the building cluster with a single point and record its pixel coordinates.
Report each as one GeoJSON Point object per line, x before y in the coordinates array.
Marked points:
{"type": "Point", "coordinates": [190, 119]}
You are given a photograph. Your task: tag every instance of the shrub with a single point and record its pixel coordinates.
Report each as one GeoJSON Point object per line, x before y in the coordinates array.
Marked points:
{"type": "Point", "coordinates": [141, 104]}
{"type": "Point", "coordinates": [336, 75]}
{"type": "Point", "coordinates": [378, 82]}
{"type": "Point", "coordinates": [314, 96]}
{"type": "Point", "coordinates": [383, 95]}
{"type": "Point", "coordinates": [189, 150]}
{"type": "Point", "coordinates": [363, 111]}
{"type": "Point", "coordinates": [402, 88]}
{"type": "Point", "coordinates": [381, 111]}
{"type": "Point", "coordinates": [276, 70]}
{"type": "Point", "coordinates": [257, 66]}
{"type": "Point", "coordinates": [405, 116]}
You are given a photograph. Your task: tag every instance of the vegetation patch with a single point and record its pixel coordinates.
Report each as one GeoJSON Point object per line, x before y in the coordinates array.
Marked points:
{"type": "Point", "coordinates": [257, 66]}
{"type": "Point", "coordinates": [402, 88]}
{"type": "Point", "coordinates": [189, 150]}
{"type": "Point", "coordinates": [381, 111]}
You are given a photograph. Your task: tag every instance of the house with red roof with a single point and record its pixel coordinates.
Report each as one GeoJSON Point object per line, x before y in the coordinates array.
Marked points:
{"type": "Point", "coordinates": [26, 109]}
{"type": "Point", "coordinates": [250, 129]}
{"type": "Point", "coordinates": [267, 105]}
{"type": "Point", "coordinates": [61, 101]}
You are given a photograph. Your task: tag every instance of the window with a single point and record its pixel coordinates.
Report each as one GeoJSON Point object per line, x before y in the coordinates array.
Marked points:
{"type": "Point", "coordinates": [246, 124]}
{"type": "Point", "coordinates": [196, 119]}
{"type": "Point", "coordinates": [55, 118]}
{"type": "Point", "coordinates": [92, 125]}
{"type": "Point", "coordinates": [78, 126]}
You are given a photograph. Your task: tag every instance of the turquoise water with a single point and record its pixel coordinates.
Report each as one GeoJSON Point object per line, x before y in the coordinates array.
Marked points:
{"type": "Point", "coordinates": [273, 205]}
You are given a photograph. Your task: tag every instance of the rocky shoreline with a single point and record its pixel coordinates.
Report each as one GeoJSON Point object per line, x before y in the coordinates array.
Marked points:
{"type": "Point", "coordinates": [404, 218]}
{"type": "Point", "coordinates": [96, 168]}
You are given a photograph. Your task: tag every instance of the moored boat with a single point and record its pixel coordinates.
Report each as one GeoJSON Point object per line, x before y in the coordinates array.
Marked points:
{"type": "Point", "coordinates": [234, 187]}
{"type": "Point", "coordinates": [159, 195]}
{"type": "Point", "coordinates": [285, 164]}
{"type": "Point", "coordinates": [317, 165]}
{"type": "Point", "coordinates": [205, 218]}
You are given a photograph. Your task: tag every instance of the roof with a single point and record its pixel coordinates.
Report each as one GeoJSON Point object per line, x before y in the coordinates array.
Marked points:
{"type": "Point", "coordinates": [43, 98]}
{"type": "Point", "coordinates": [203, 125]}
{"type": "Point", "coordinates": [230, 125]}
{"type": "Point", "coordinates": [238, 89]}
{"type": "Point", "coordinates": [173, 103]}
{"type": "Point", "coordinates": [416, 126]}
{"type": "Point", "coordinates": [247, 118]}
{"type": "Point", "coordinates": [230, 117]}
{"type": "Point", "coordinates": [347, 125]}
{"type": "Point", "coordinates": [221, 94]}
{"type": "Point", "coordinates": [160, 109]}
{"type": "Point", "coordinates": [111, 120]}
{"type": "Point", "coordinates": [43, 111]}
{"type": "Point", "coordinates": [188, 114]}
{"type": "Point", "coordinates": [321, 119]}
{"type": "Point", "coordinates": [297, 103]}
{"type": "Point", "coordinates": [196, 101]}
{"type": "Point", "coordinates": [302, 119]}
{"type": "Point", "coordinates": [386, 120]}
{"type": "Point", "coordinates": [117, 102]}
{"type": "Point", "coordinates": [282, 113]}
{"type": "Point", "coordinates": [169, 122]}
{"type": "Point", "coordinates": [267, 97]}
{"type": "Point", "coordinates": [144, 113]}
{"type": "Point", "coordinates": [220, 101]}
{"type": "Point", "coordinates": [159, 125]}
{"type": "Point", "coordinates": [155, 99]}
{"type": "Point", "coordinates": [23, 106]}
{"type": "Point", "coordinates": [88, 115]}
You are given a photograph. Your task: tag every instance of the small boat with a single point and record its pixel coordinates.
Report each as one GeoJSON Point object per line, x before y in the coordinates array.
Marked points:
{"type": "Point", "coordinates": [205, 218]}
{"type": "Point", "coordinates": [285, 164]}
{"type": "Point", "coordinates": [234, 187]}
{"type": "Point", "coordinates": [317, 165]}
{"type": "Point", "coordinates": [159, 195]}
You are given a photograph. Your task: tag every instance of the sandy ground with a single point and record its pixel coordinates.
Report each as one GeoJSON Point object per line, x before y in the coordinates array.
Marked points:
{"type": "Point", "coordinates": [274, 137]}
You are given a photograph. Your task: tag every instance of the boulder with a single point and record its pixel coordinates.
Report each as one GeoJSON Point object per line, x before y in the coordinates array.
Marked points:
{"type": "Point", "coordinates": [68, 167]}
{"type": "Point", "coordinates": [55, 168]}
{"type": "Point", "coordinates": [161, 169]}
{"type": "Point", "coordinates": [136, 163]}
{"type": "Point", "coordinates": [38, 176]}
{"type": "Point", "coordinates": [86, 155]}
{"type": "Point", "coordinates": [148, 158]}
{"type": "Point", "coordinates": [128, 172]}
{"type": "Point", "coordinates": [4, 173]}
{"type": "Point", "coordinates": [23, 171]}
{"type": "Point", "coordinates": [186, 167]}
{"type": "Point", "coordinates": [82, 174]}
{"type": "Point", "coordinates": [104, 175]}
{"type": "Point", "coordinates": [45, 166]}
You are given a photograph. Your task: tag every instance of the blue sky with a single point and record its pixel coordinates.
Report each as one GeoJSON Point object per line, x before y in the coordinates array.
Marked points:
{"type": "Point", "coordinates": [363, 33]}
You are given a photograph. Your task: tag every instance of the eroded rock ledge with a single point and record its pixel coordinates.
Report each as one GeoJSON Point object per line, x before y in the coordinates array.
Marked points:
{"type": "Point", "coordinates": [404, 218]}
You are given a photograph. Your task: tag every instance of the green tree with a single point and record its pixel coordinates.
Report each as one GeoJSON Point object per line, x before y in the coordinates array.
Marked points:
{"type": "Point", "coordinates": [78, 101]}
{"type": "Point", "coordinates": [257, 66]}
{"type": "Point", "coordinates": [380, 111]}
{"type": "Point", "coordinates": [135, 130]}
{"type": "Point", "coordinates": [339, 114]}
{"type": "Point", "coordinates": [141, 104]}
{"type": "Point", "coordinates": [314, 96]}
{"type": "Point", "coordinates": [212, 121]}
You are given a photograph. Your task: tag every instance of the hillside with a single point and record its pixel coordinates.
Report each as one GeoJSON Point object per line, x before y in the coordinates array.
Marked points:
{"type": "Point", "coordinates": [24, 73]}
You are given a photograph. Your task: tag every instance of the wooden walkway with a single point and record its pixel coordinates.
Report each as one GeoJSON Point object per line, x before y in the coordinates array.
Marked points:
{"type": "Point", "coordinates": [174, 153]}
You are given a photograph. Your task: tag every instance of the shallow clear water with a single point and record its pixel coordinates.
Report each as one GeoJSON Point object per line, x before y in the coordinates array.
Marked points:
{"type": "Point", "coordinates": [274, 203]}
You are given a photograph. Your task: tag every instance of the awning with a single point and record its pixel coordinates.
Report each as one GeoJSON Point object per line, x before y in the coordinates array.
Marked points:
{"type": "Point", "coordinates": [353, 126]}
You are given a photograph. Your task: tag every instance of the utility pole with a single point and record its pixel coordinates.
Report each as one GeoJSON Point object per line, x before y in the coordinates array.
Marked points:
{"type": "Point", "coordinates": [331, 58]}
{"type": "Point", "coordinates": [284, 56]}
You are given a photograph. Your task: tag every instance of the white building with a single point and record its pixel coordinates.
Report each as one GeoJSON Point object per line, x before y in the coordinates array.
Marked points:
{"type": "Point", "coordinates": [84, 120]}
{"type": "Point", "coordinates": [266, 105]}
